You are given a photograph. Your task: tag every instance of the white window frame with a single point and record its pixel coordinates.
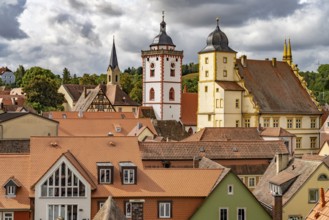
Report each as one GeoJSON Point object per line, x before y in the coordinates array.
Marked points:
{"type": "Point", "coordinates": [4, 217]}
{"type": "Point", "coordinates": [227, 214]}
{"type": "Point", "coordinates": [316, 191]}
{"type": "Point", "coordinates": [11, 190]}
{"type": "Point", "coordinates": [245, 213]}
{"type": "Point", "coordinates": [65, 211]}
{"type": "Point", "coordinates": [230, 189]}
{"type": "Point", "coordinates": [166, 213]}
{"type": "Point", "coordinates": [106, 180]}
{"type": "Point", "coordinates": [250, 185]}
{"type": "Point", "coordinates": [127, 174]}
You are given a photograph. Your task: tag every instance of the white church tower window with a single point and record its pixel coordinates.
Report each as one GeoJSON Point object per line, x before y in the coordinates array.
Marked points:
{"type": "Point", "coordinates": [162, 76]}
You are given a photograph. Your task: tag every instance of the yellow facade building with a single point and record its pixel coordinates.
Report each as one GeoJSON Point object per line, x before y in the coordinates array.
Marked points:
{"type": "Point", "coordinates": [250, 93]}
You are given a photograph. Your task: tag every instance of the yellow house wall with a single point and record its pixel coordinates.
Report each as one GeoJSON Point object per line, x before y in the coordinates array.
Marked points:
{"type": "Point", "coordinates": [228, 66]}
{"type": "Point", "coordinates": [324, 150]}
{"type": "Point", "coordinates": [145, 133]}
{"type": "Point", "coordinates": [69, 105]}
{"type": "Point", "coordinates": [26, 126]}
{"type": "Point", "coordinates": [298, 204]}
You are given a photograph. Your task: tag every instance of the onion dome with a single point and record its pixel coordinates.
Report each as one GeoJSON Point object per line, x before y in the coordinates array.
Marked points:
{"type": "Point", "coordinates": [162, 38]}
{"type": "Point", "coordinates": [217, 41]}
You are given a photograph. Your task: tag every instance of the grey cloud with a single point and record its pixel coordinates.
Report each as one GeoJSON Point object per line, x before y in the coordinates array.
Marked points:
{"type": "Point", "coordinates": [234, 13]}
{"type": "Point", "coordinates": [76, 4]}
{"type": "Point", "coordinates": [109, 9]}
{"type": "Point", "coordinates": [3, 50]}
{"type": "Point", "coordinates": [9, 24]}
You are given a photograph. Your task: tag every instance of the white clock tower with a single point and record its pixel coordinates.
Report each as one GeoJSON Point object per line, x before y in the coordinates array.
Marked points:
{"type": "Point", "coordinates": [162, 76]}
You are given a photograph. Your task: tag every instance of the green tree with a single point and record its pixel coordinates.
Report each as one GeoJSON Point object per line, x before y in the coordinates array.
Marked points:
{"type": "Point", "coordinates": [102, 79]}
{"type": "Point", "coordinates": [75, 79]}
{"type": "Point", "coordinates": [66, 76]}
{"type": "Point", "coordinates": [126, 82]}
{"type": "Point", "coordinates": [191, 84]}
{"type": "Point", "coordinates": [40, 86]}
{"type": "Point", "coordinates": [19, 74]}
{"type": "Point", "coordinates": [88, 79]}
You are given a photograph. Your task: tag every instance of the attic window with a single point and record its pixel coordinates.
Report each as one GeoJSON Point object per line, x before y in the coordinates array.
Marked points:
{"type": "Point", "coordinates": [11, 187]}
{"type": "Point", "coordinates": [105, 172]}
{"type": "Point", "coordinates": [322, 177]}
{"type": "Point", "coordinates": [128, 171]}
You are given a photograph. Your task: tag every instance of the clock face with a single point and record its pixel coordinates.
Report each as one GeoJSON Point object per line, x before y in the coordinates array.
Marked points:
{"type": "Point", "coordinates": [152, 65]}
{"type": "Point", "coordinates": [172, 65]}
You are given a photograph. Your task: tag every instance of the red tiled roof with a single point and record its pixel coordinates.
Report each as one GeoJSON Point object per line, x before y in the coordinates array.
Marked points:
{"type": "Point", "coordinates": [321, 209]}
{"type": "Point", "coordinates": [88, 115]}
{"type": "Point", "coordinates": [213, 150]}
{"type": "Point", "coordinates": [225, 134]}
{"type": "Point", "coordinates": [276, 132]}
{"type": "Point", "coordinates": [189, 108]}
{"type": "Point", "coordinates": [230, 86]}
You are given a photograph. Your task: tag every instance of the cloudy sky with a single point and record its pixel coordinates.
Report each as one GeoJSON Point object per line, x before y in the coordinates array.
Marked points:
{"type": "Point", "coordinates": [78, 34]}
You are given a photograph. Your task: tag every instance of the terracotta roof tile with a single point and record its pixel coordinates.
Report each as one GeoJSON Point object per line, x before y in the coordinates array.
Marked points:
{"type": "Point", "coordinates": [15, 146]}
{"type": "Point", "coordinates": [75, 90]}
{"type": "Point", "coordinates": [117, 96]}
{"type": "Point", "coordinates": [288, 96]}
{"type": "Point", "coordinates": [88, 115]}
{"type": "Point", "coordinates": [321, 209]}
{"type": "Point", "coordinates": [225, 134]}
{"type": "Point", "coordinates": [189, 108]}
{"type": "Point", "coordinates": [101, 127]}
{"type": "Point", "coordinates": [16, 166]}
{"type": "Point", "coordinates": [213, 149]}
{"type": "Point", "coordinates": [276, 132]}
{"type": "Point", "coordinates": [150, 183]}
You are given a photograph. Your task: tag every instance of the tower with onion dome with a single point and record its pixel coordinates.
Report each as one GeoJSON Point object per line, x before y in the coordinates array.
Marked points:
{"type": "Point", "coordinates": [162, 76]}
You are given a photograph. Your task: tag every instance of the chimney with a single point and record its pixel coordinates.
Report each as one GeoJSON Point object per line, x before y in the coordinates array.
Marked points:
{"type": "Point", "coordinates": [80, 114]}
{"type": "Point", "coordinates": [322, 197]}
{"type": "Point", "coordinates": [202, 152]}
{"type": "Point", "coordinates": [244, 60]}
{"type": "Point", "coordinates": [185, 89]}
{"type": "Point", "coordinates": [282, 161]}
{"type": "Point", "coordinates": [274, 62]}
{"type": "Point", "coordinates": [277, 209]}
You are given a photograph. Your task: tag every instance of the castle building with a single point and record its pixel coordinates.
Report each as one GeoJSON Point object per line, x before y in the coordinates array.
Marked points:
{"type": "Point", "coordinates": [250, 93]}
{"type": "Point", "coordinates": [162, 76]}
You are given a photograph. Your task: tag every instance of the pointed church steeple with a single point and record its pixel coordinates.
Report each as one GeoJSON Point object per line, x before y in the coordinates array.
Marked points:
{"type": "Point", "coordinates": [289, 54]}
{"type": "Point", "coordinates": [113, 71]}
{"type": "Point", "coordinates": [113, 59]}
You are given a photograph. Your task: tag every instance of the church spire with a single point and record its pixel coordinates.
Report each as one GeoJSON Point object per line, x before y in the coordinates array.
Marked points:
{"type": "Point", "coordinates": [284, 57]}
{"type": "Point", "coordinates": [113, 59]}
{"type": "Point", "coordinates": [289, 54]}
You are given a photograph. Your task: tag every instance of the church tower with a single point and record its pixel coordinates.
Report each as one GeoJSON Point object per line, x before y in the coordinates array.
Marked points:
{"type": "Point", "coordinates": [113, 71]}
{"type": "Point", "coordinates": [219, 96]}
{"type": "Point", "coordinates": [162, 76]}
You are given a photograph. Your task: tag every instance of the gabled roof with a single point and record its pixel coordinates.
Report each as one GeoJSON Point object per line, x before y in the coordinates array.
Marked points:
{"type": "Point", "coordinates": [110, 211]}
{"type": "Point", "coordinates": [117, 96]}
{"type": "Point", "coordinates": [302, 169]}
{"type": "Point", "coordinates": [88, 115]}
{"type": "Point", "coordinates": [4, 69]}
{"type": "Point", "coordinates": [213, 150]}
{"type": "Point", "coordinates": [7, 116]}
{"type": "Point", "coordinates": [225, 134]}
{"type": "Point", "coordinates": [101, 127]}
{"type": "Point", "coordinates": [189, 108]}
{"type": "Point", "coordinates": [14, 180]}
{"type": "Point", "coordinates": [170, 129]}
{"type": "Point", "coordinates": [150, 182]}
{"type": "Point", "coordinates": [288, 96]}
{"type": "Point", "coordinates": [146, 112]}
{"type": "Point", "coordinates": [275, 132]}
{"type": "Point", "coordinates": [16, 166]}
{"type": "Point", "coordinates": [75, 90]}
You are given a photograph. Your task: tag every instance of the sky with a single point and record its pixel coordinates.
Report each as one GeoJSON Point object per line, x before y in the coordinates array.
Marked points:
{"type": "Point", "coordinates": [78, 34]}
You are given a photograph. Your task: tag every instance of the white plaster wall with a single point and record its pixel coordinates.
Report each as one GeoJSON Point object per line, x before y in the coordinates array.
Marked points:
{"type": "Point", "coordinates": [167, 68]}
{"type": "Point", "coordinates": [157, 110]}
{"type": "Point", "coordinates": [206, 99]}
{"type": "Point", "coordinates": [157, 92]}
{"type": "Point", "coordinates": [41, 203]}
{"type": "Point", "coordinates": [157, 69]}
{"type": "Point", "coordinates": [171, 112]}
{"type": "Point", "coordinates": [203, 66]}
{"type": "Point", "coordinates": [166, 89]}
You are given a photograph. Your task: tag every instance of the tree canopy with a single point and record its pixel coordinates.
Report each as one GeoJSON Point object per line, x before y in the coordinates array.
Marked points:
{"type": "Point", "coordinates": [40, 86]}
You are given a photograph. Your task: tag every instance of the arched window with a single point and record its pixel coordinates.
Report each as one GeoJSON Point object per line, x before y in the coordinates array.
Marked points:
{"type": "Point", "coordinates": [190, 131]}
{"type": "Point", "coordinates": [151, 94]}
{"type": "Point", "coordinates": [63, 183]}
{"type": "Point", "coordinates": [116, 78]}
{"type": "Point", "coordinates": [110, 78]}
{"type": "Point", "coordinates": [171, 94]}
{"type": "Point", "coordinates": [323, 177]}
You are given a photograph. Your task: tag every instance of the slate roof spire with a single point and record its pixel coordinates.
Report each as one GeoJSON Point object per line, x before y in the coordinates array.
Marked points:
{"type": "Point", "coordinates": [113, 59]}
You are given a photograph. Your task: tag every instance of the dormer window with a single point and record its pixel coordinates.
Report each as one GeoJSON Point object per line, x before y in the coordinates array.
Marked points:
{"type": "Point", "coordinates": [11, 187]}
{"type": "Point", "coordinates": [105, 172]}
{"type": "Point", "coordinates": [128, 172]}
